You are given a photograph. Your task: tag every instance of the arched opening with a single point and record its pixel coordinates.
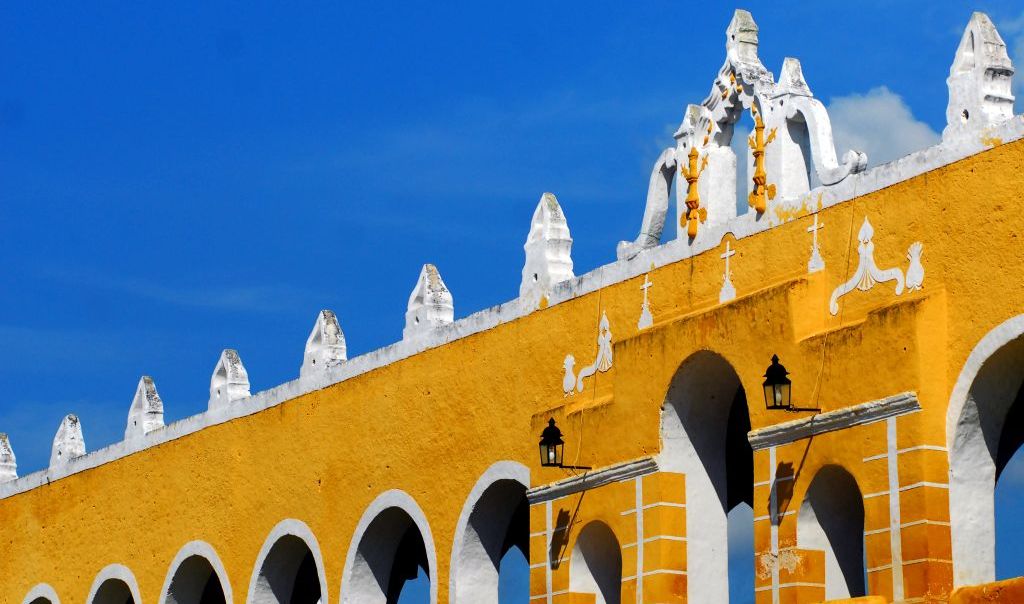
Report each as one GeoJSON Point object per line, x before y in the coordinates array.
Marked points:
{"type": "Point", "coordinates": [792, 147]}
{"type": "Point", "coordinates": [493, 539]}
{"type": "Point", "coordinates": [392, 557]}
{"type": "Point", "coordinates": [985, 430]}
{"type": "Point", "coordinates": [832, 520]}
{"type": "Point", "coordinates": [195, 582]}
{"type": "Point", "coordinates": [704, 436]}
{"type": "Point", "coordinates": [595, 566]}
{"type": "Point", "coordinates": [41, 594]}
{"type": "Point", "coordinates": [113, 591]}
{"type": "Point", "coordinates": [1009, 510]}
{"type": "Point", "coordinates": [289, 569]}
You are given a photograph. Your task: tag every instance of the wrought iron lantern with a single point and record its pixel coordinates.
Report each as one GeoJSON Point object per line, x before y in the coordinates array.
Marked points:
{"type": "Point", "coordinates": [551, 446]}
{"type": "Point", "coordinates": [777, 386]}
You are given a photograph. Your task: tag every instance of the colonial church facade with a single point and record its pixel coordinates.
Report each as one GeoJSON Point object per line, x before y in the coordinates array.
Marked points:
{"type": "Point", "coordinates": [845, 356]}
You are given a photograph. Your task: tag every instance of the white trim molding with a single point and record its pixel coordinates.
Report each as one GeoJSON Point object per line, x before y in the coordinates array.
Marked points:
{"type": "Point", "coordinates": [42, 590]}
{"type": "Point", "coordinates": [204, 550]}
{"type": "Point", "coordinates": [289, 528]}
{"type": "Point", "coordinates": [116, 572]}
{"type": "Point", "coordinates": [592, 480]}
{"type": "Point", "coordinates": [830, 421]}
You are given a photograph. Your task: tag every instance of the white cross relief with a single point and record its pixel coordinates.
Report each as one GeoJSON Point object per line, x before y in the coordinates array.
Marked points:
{"type": "Point", "coordinates": [816, 263]}
{"type": "Point", "coordinates": [728, 292]}
{"type": "Point", "coordinates": [646, 318]}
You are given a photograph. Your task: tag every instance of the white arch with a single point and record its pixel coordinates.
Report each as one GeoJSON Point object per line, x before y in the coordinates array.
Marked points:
{"type": "Point", "coordinates": [831, 519]}
{"type": "Point", "coordinates": [117, 572]}
{"type": "Point", "coordinates": [595, 565]}
{"type": "Point", "coordinates": [42, 590]}
{"type": "Point", "coordinates": [502, 470]}
{"type": "Point", "coordinates": [971, 468]}
{"type": "Point", "coordinates": [393, 499]}
{"type": "Point", "coordinates": [694, 441]}
{"type": "Point", "coordinates": [202, 550]}
{"type": "Point", "coordinates": [286, 528]}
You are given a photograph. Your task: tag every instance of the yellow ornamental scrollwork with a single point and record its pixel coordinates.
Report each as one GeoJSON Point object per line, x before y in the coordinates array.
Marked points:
{"type": "Point", "coordinates": [763, 191]}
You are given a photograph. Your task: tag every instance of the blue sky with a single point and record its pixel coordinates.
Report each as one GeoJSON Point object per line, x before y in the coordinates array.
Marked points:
{"type": "Point", "coordinates": [180, 178]}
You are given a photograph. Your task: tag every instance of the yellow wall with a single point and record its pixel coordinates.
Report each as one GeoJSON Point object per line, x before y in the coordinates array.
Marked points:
{"type": "Point", "coordinates": [432, 423]}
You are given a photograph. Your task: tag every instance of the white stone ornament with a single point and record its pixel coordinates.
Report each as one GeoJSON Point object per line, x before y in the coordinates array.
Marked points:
{"type": "Point", "coordinates": [147, 410]}
{"type": "Point", "coordinates": [8, 463]}
{"type": "Point", "coordinates": [867, 273]}
{"type": "Point", "coordinates": [230, 380]}
{"type": "Point", "coordinates": [69, 442]}
{"type": "Point", "coordinates": [602, 362]}
{"type": "Point", "coordinates": [980, 81]}
{"type": "Point", "coordinates": [802, 152]}
{"type": "Point", "coordinates": [548, 250]}
{"type": "Point", "coordinates": [646, 318]}
{"type": "Point", "coordinates": [816, 263]}
{"type": "Point", "coordinates": [728, 292]}
{"type": "Point", "coordinates": [915, 272]}
{"type": "Point", "coordinates": [430, 304]}
{"type": "Point", "coordinates": [655, 208]}
{"type": "Point", "coordinates": [325, 346]}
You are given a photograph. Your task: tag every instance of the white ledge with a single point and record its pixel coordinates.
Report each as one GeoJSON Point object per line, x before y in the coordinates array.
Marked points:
{"type": "Point", "coordinates": [840, 419]}
{"type": "Point", "coordinates": [591, 480]}
{"type": "Point", "coordinates": [709, 238]}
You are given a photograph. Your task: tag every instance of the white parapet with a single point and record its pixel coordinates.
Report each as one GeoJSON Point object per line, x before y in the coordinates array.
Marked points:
{"type": "Point", "coordinates": [8, 463]}
{"type": "Point", "coordinates": [430, 304]}
{"type": "Point", "coordinates": [147, 410]}
{"type": "Point", "coordinates": [325, 347]}
{"type": "Point", "coordinates": [548, 250]}
{"type": "Point", "coordinates": [980, 81]}
{"type": "Point", "coordinates": [69, 442]}
{"type": "Point", "coordinates": [230, 381]}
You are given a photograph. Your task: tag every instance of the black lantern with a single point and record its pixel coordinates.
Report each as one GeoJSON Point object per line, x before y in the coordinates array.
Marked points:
{"type": "Point", "coordinates": [551, 446]}
{"type": "Point", "coordinates": [777, 386]}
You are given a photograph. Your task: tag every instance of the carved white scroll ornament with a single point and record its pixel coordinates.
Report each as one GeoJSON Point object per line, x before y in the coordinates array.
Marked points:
{"type": "Point", "coordinates": [915, 272]}
{"type": "Point", "coordinates": [868, 273]}
{"type": "Point", "coordinates": [603, 362]}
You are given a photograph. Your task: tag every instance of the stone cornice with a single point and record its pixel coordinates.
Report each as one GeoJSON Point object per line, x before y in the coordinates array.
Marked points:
{"type": "Point", "coordinates": [592, 480]}
{"type": "Point", "coordinates": [840, 419]}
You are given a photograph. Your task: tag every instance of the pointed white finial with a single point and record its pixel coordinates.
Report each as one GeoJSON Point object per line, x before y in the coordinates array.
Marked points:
{"type": "Point", "coordinates": [980, 80]}
{"type": "Point", "coordinates": [325, 347]}
{"type": "Point", "coordinates": [147, 410]}
{"type": "Point", "coordinates": [741, 38]}
{"type": "Point", "coordinates": [230, 381]}
{"type": "Point", "coordinates": [8, 463]}
{"type": "Point", "coordinates": [548, 250]}
{"type": "Point", "coordinates": [69, 442]}
{"type": "Point", "coordinates": [791, 80]}
{"type": "Point", "coordinates": [430, 304]}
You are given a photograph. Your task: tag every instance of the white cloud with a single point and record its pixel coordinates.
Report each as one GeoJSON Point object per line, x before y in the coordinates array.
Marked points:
{"type": "Point", "coordinates": [879, 123]}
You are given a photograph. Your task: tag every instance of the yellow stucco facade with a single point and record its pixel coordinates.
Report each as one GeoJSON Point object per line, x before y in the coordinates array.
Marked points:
{"type": "Point", "coordinates": [424, 429]}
